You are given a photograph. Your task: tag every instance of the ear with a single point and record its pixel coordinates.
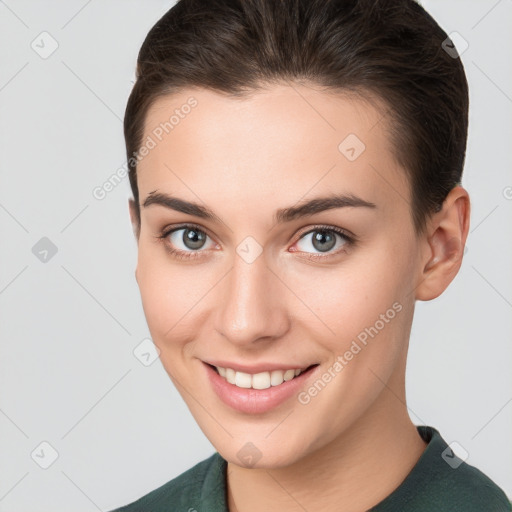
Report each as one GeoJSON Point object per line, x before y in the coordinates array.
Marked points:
{"type": "Point", "coordinates": [444, 245]}
{"type": "Point", "coordinates": [134, 218]}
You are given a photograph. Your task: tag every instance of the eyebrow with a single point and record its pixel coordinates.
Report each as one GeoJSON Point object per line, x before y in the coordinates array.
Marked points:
{"type": "Point", "coordinates": [316, 205]}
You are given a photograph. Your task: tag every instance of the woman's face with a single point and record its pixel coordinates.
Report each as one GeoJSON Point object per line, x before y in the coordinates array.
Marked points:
{"type": "Point", "coordinates": [258, 285]}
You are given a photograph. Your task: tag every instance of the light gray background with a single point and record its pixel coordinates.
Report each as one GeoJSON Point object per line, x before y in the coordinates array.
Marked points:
{"type": "Point", "coordinates": [69, 326]}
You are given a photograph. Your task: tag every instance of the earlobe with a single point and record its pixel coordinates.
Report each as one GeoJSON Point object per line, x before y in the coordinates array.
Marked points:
{"type": "Point", "coordinates": [448, 230]}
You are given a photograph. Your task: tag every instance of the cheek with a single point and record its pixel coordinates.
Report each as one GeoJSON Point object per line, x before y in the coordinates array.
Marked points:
{"type": "Point", "coordinates": [344, 300]}
{"type": "Point", "coordinates": [358, 309]}
{"type": "Point", "coordinates": [165, 297]}
{"type": "Point", "coordinates": [175, 298]}
{"type": "Point", "coordinates": [362, 323]}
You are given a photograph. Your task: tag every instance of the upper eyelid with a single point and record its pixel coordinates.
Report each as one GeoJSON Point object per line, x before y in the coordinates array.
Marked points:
{"type": "Point", "coordinates": [171, 229]}
{"type": "Point", "coordinates": [327, 227]}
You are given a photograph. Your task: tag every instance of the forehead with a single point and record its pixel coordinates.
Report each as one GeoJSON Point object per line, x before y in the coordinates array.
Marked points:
{"type": "Point", "coordinates": [285, 142]}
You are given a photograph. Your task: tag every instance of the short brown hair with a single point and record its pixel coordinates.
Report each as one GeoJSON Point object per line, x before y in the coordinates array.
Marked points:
{"type": "Point", "coordinates": [391, 49]}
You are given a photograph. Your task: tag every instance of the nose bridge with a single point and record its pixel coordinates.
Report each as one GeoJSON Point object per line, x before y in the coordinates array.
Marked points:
{"type": "Point", "coordinates": [251, 306]}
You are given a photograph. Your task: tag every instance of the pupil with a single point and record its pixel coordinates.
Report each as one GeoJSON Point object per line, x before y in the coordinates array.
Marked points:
{"type": "Point", "coordinates": [324, 240]}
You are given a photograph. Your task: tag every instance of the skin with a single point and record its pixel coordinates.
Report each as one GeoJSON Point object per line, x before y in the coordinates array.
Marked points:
{"type": "Point", "coordinates": [354, 442]}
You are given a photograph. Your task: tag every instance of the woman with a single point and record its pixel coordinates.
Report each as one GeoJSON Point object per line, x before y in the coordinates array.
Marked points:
{"type": "Point", "coordinates": [295, 168]}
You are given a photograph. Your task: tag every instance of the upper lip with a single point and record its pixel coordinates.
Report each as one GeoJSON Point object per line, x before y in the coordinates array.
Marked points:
{"type": "Point", "coordinates": [256, 368]}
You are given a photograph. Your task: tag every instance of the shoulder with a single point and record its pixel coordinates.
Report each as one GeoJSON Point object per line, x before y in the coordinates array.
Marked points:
{"type": "Point", "coordinates": [460, 483]}
{"type": "Point", "coordinates": [441, 481]}
{"type": "Point", "coordinates": [466, 485]}
{"type": "Point", "coordinates": [202, 484]}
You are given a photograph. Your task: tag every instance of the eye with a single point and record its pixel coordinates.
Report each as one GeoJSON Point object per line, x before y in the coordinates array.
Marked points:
{"type": "Point", "coordinates": [324, 239]}
{"type": "Point", "coordinates": [185, 241]}
{"type": "Point", "coordinates": [189, 240]}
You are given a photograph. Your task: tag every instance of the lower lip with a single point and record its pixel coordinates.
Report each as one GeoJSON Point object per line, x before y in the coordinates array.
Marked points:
{"type": "Point", "coordinates": [256, 401]}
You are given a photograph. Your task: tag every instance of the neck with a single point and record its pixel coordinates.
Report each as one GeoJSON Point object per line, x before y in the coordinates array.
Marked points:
{"type": "Point", "coordinates": [355, 472]}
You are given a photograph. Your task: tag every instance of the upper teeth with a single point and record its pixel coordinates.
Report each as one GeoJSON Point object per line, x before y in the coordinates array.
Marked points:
{"type": "Point", "coordinates": [261, 380]}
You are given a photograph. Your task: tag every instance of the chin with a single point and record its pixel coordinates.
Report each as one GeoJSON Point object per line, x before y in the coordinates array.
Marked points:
{"type": "Point", "coordinates": [260, 452]}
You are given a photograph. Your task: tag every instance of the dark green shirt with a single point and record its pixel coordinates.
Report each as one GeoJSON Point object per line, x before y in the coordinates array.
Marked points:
{"type": "Point", "coordinates": [439, 482]}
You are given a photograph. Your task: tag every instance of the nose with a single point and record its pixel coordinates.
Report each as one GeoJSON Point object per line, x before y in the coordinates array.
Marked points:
{"type": "Point", "coordinates": [251, 306]}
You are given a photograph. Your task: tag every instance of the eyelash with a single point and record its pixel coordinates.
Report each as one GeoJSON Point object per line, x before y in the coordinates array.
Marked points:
{"type": "Point", "coordinates": [190, 255]}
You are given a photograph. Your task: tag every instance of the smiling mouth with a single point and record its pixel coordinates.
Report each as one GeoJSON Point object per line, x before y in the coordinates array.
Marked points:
{"type": "Point", "coordinates": [262, 380]}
